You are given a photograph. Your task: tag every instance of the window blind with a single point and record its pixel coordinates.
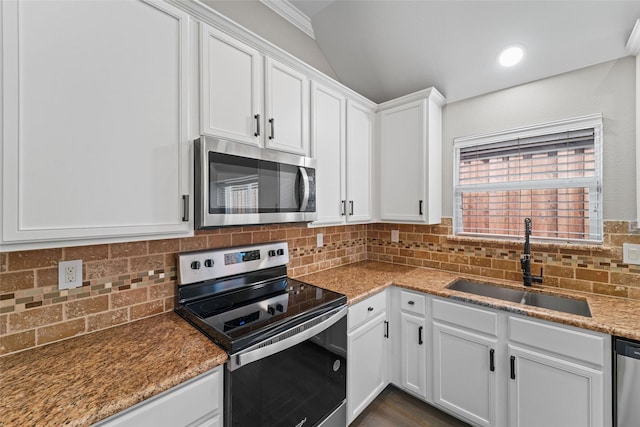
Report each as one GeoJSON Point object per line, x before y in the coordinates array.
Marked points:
{"type": "Point", "coordinates": [553, 178]}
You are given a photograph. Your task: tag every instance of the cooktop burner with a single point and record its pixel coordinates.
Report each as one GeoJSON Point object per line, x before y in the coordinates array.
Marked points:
{"type": "Point", "coordinates": [245, 295]}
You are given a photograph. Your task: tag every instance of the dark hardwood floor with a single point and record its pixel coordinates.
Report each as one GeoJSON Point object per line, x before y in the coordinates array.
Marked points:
{"type": "Point", "coordinates": [396, 408]}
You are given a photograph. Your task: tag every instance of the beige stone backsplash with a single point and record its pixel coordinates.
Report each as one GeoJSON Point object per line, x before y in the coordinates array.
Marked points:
{"type": "Point", "coordinates": [123, 282]}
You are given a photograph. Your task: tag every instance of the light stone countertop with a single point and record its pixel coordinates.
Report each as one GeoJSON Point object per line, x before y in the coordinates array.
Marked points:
{"type": "Point", "coordinates": [80, 381]}
{"type": "Point", "coordinates": [610, 315]}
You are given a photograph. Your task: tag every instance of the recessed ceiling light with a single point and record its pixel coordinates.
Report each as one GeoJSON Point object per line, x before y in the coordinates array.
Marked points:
{"type": "Point", "coordinates": [511, 56]}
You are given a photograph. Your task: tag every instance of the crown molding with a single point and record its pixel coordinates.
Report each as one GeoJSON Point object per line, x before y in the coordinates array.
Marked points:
{"type": "Point", "coordinates": [633, 45]}
{"type": "Point", "coordinates": [291, 14]}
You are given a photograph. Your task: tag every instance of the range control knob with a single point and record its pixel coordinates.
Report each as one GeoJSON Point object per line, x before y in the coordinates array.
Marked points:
{"type": "Point", "coordinates": [271, 310]}
{"type": "Point", "coordinates": [195, 265]}
{"type": "Point", "coordinates": [208, 263]}
{"type": "Point", "coordinates": [279, 307]}
{"type": "Point", "coordinates": [280, 252]}
{"type": "Point", "coordinates": [272, 253]}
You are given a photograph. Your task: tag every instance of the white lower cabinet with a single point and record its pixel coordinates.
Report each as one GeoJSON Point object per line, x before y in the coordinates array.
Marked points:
{"type": "Point", "coordinates": [195, 403]}
{"type": "Point", "coordinates": [558, 376]}
{"type": "Point", "coordinates": [464, 373]}
{"type": "Point", "coordinates": [413, 343]}
{"type": "Point", "coordinates": [367, 353]}
{"type": "Point", "coordinates": [492, 368]}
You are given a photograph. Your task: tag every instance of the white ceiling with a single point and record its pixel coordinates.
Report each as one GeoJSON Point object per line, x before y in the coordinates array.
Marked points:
{"type": "Point", "coordinates": [387, 48]}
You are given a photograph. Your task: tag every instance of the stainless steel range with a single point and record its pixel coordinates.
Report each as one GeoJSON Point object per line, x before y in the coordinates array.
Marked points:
{"type": "Point", "coordinates": [286, 339]}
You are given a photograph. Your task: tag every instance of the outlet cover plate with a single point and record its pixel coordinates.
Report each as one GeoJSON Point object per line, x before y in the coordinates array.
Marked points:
{"type": "Point", "coordinates": [320, 240]}
{"type": "Point", "coordinates": [395, 236]}
{"type": "Point", "coordinates": [631, 253]}
{"type": "Point", "coordinates": [76, 267]}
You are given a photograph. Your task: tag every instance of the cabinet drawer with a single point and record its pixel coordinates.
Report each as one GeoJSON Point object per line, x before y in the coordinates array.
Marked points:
{"type": "Point", "coordinates": [472, 318]}
{"type": "Point", "coordinates": [367, 309]}
{"type": "Point", "coordinates": [581, 345]}
{"type": "Point", "coordinates": [412, 302]}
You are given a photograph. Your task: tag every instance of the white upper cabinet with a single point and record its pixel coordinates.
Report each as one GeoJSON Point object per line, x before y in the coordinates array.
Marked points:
{"type": "Point", "coordinates": [341, 136]}
{"type": "Point", "coordinates": [286, 108]}
{"type": "Point", "coordinates": [231, 87]}
{"type": "Point", "coordinates": [328, 140]}
{"type": "Point", "coordinates": [94, 117]}
{"type": "Point", "coordinates": [411, 156]}
{"type": "Point", "coordinates": [251, 98]}
{"type": "Point", "coordinates": [359, 142]}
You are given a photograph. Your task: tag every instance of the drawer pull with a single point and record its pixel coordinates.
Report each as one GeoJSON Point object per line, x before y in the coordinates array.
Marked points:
{"type": "Point", "coordinates": [370, 309]}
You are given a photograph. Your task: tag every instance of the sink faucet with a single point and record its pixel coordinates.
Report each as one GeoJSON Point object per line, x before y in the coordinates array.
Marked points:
{"type": "Point", "coordinates": [525, 260]}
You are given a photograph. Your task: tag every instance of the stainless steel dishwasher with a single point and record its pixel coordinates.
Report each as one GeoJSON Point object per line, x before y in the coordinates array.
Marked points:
{"type": "Point", "coordinates": [627, 382]}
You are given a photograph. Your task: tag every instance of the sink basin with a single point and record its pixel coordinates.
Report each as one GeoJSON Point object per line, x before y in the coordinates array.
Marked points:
{"type": "Point", "coordinates": [551, 302]}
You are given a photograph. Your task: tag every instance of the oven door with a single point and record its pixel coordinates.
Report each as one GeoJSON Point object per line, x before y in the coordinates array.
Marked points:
{"type": "Point", "coordinates": [299, 380]}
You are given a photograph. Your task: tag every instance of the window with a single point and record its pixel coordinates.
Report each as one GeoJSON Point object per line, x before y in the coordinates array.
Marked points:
{"type": "Point", "coordinates": [551, 173]}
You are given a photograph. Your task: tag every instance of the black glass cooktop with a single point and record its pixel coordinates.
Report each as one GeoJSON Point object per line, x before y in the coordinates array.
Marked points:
{"type": "Point", "coordinates": [238, 318]}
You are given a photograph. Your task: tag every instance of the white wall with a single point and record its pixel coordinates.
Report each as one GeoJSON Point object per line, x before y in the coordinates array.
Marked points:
{"type": "Point", "coordinates": [264, 22]}
{"type": "Point", "coordinates": [607, 88]}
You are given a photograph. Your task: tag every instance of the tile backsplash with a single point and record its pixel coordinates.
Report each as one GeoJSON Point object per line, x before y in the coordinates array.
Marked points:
{"type": "Point", "coordinates": [123, 282]}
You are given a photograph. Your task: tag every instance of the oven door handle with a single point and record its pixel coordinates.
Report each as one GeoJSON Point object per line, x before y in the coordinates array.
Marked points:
{"type": "Point", "coordinates": [249, 356]}
{"type": "Point", "coordinates": [306, 190]}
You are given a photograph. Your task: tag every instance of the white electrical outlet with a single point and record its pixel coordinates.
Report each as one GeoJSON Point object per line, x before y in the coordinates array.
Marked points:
{"type": "Point", "coordinates": [69, 274]}
{"type": "Point", "coordinates": [319, 240]}
{"type": "Point", "coordinates": [395, 236]}
{"type": "Point", "coordinates": [630, 253]}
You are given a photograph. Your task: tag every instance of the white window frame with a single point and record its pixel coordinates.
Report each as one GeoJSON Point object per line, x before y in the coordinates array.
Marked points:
{"type": "Point", "coordinates": [594, 184]}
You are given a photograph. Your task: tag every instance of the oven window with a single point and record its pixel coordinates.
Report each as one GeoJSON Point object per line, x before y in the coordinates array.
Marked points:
{"type": "Point", "coordinates": [307, 381]}
{"type": "Point", "coordinates": [234, 184]}
{"type": "Point", "coordinates": [239, 185]}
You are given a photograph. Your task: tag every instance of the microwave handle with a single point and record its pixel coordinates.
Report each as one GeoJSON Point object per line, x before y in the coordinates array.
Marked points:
{"type": "Point", "coordinates": [306, 189]}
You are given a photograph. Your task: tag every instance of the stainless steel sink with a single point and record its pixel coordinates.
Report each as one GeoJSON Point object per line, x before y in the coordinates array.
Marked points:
{"type": "Point", "coordinates": [551, 302]}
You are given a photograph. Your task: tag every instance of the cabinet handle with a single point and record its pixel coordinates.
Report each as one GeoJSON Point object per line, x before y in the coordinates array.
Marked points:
{"type": "Point", "coordinates": [273, 129]}
{"type": "Point", "coordinates": [420, 336]}
{"type": "Point", "coordinates": [370, 309]}
{"type": "Point", "coordinates": [411, 303]}
{"type": "Point", "coordinates": [492, 365]}
{"type": "Point", "coordinates": [420, 207]}
{"type": "Point", "coordinates": [386, 329]}
{"type": "Point", "coordinates": [344, 208]}
{"type": "Point", "coordinates": [257, 132]}
{"type": "Point", "coordinates": [351, 207]}
{"type": "Point", "coordinates": [513, 367]}
{"type": "Point", "coordinates": [185, 207]}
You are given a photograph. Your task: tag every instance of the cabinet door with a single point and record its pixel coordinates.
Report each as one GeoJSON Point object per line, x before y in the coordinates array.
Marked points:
{"type": "Point", "coordinates": [464, 375]}
{"type": "Point", "coordinates": [366, 365]}
{"type": "Point", "coordinates": [413, 354]}
{"type": "Point", "coordinates": [403, 155]}
{"type": "Point", "coordinates": [359, 142]}
{"type": "Point", "coordinates": [231, 83]}
{"type": "Point", "coordinates": [328, 133]}
{"type": "Point", "coordinates": [286, 109]}
{"type": "Point", "coordinates": [548, 391]}
{"type": "Point", "coordinates": [95, 139]}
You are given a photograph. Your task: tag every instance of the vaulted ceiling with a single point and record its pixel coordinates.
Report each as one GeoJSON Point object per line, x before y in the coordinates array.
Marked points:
{"type": "Point", "coordinates": [385, 49]}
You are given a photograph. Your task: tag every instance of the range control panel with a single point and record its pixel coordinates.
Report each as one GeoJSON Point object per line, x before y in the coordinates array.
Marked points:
{"type": "Point", "coordinates": [209, 264]}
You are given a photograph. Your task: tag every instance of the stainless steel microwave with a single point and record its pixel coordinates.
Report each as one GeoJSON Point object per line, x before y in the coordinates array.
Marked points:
{"type": "Point", "coordinates": [238, 184]}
